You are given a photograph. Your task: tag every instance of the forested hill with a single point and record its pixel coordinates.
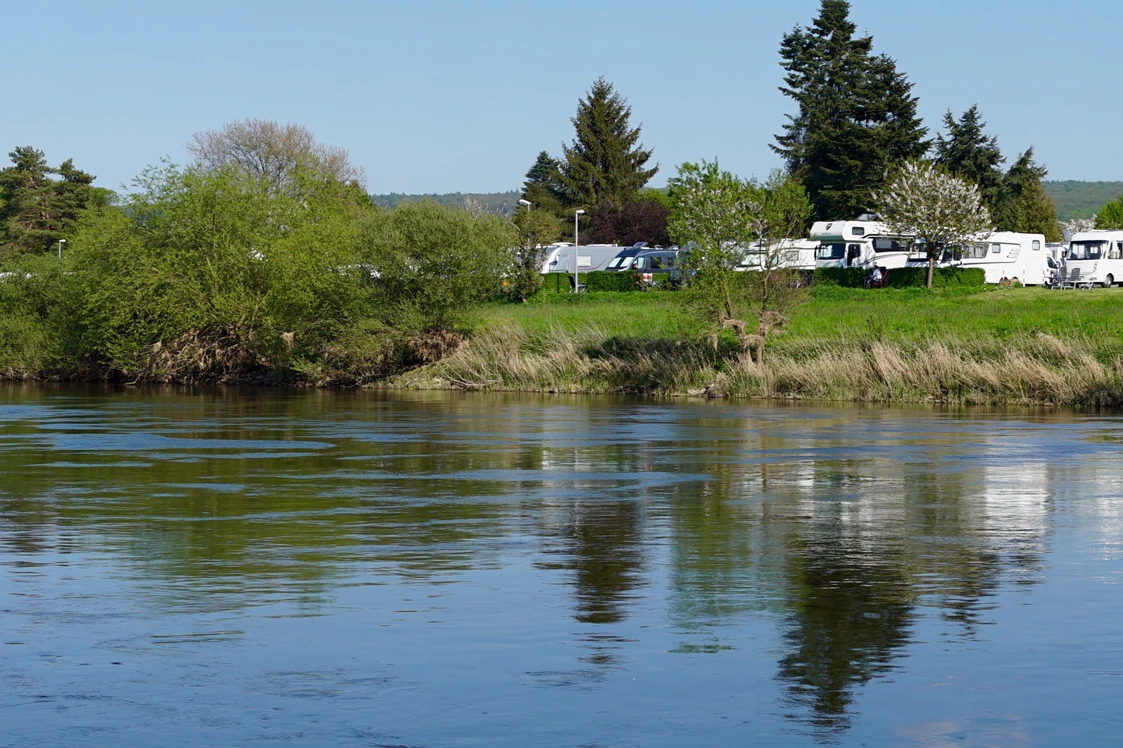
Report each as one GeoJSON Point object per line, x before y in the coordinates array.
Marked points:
{"type": "Point", "coordinates": [504, 203]}
{"type": "Point", "coordinates": [1073, 199]}
{"type": "Point", "coordinates": [1081, 199]}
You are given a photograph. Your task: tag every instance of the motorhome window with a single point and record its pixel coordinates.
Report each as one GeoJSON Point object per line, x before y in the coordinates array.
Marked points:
{"type": "Point", "coordinates": [889, 245]}
{"type": "Point", "coordinates": [978, 251]}
{"type": "Point", "coordinates": [615, 262]}
{"type": "Point", "coordinates": [831, 252]}
{"type": "Point", "coordinates": [951, 254]}
{"type": "Point", "coordinates": [1086, 250]}
{"type": "Point", "coordinates": [641, 263]}
{"type": "Point", "coordinates": [656, 262]}
{"type": "Point", "coordinates": [858, 231]}
{"type": "Point", "coordinates": [1116, 251]}
{"type": "Point", "coordinates": [1036, 245]}
{"type": "Point", "coordinates": [996, 249]}
{"type": "Point", "coordinates": [670, 261]}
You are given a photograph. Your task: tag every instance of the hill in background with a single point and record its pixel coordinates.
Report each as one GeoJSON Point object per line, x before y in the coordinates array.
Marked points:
{"type": "Point", "coordinates": [1081, 199]}
{"type": "Point", "coordinates": [1073, 199]}
{"type": "Point", "coordinates": [503, 203]}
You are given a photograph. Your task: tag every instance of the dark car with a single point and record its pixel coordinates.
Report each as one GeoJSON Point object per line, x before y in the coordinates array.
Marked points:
{"type": "Point", "coordinates": [623, 261]}
{"type": "Point", "coordinates": [658, 267]}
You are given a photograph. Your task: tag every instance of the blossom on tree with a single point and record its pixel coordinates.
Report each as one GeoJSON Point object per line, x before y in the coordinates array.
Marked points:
{"type": "Point", "coordinates": [935, 207]}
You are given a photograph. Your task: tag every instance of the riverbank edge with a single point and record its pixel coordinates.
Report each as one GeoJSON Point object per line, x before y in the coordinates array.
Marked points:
{"type": "Point", "coordinates": [1028, 370]}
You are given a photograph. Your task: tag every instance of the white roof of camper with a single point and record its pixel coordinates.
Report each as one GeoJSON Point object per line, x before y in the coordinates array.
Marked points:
{"type": "Point", "coordinates": [1097, 235]}
{"type": "Point", "coordinates": [847, 230]}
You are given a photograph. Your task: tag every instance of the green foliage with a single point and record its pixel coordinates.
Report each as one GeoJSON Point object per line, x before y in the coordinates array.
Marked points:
{"type": "Point", "coordinates": [856, 115]}
{"type": "Point", "coordinates": [1035, 213]}
{"type": "Point", "coordinates": [605, 162]}
{"type": "Point", "coordinates": [1110, 216]}
{"type": "Point", "coordinates": [535, 231]}
{"type": "Point", "coordinates": [435, 263]}
{"type": "Point", "coordinates": [600, 280]}
{"type": "Point", "coordinates": [543, 189]}
{"type": "Point", "coordinates": [500, 203]}
{"type": "Point", "coordinates": [968, 153]}
{"type": "Point", "coordinates": [37, 210]}
{"type": "Point", "coordinates": [1081, 199]}
{"type": "Point", "coordinates": [953, 277]}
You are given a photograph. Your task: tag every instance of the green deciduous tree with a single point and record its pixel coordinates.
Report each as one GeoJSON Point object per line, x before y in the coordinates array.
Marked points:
{"type": "Point", "coordinates": [856, 115]}
{"type": "Point", "coordinates": [434, 264]}
{"type": "Point", "coordinates": [605, 162]}
{"type": "Point", "coordinates": [1110, 215]}
{"type": "Point", "coordinates": [926, 202]}
{"type": "Point", "coordinates": [535, 230]}
{"type": "Point", "coordinates": [37, 210]}
{"type": "Point", "coordinates": [718, 217]}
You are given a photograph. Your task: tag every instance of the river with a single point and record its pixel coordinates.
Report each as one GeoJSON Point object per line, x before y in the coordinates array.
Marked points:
{"type": "Point", "coordinates": [258, 567]}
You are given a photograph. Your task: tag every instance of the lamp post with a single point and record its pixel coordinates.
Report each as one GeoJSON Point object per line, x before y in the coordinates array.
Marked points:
{"type": "Point", "coordinates": [60, 243]}
{"type": "Point", "coordinates": [576, 247]}
{"type": "Point", "coordinates": [527, 203]}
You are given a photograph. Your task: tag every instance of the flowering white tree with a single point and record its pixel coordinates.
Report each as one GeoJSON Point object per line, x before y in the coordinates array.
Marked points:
{"type": "Point", "coordinates": [940, 209]}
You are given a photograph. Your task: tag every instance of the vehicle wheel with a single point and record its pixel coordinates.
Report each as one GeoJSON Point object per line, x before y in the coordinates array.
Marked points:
{"type": "Point", "coordinates": [1109, 281]}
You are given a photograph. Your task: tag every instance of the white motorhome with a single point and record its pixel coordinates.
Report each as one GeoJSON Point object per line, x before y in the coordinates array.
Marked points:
{"type": "Point", "coordinates": [796, 254]}
{"type": "Point", "coordinates": [1097, 256]}
{"type": "Point", "coordinates": [1003, 254]}
{"type": "Point", "coordinates": [561, 258]}
{"type": "Point", "coordinates": [859, 244]}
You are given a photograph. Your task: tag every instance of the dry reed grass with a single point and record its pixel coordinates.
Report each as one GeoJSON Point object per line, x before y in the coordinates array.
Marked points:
{"type": "Point", "coordinates": [1030, 369]}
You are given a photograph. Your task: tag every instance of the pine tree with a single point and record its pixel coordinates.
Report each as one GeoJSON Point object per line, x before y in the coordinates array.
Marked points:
{"type": "Point", "coordinates": [35, 210]}
{"type": "Point", "coordinates": [856, 114]}
{"type": "Point", "coordinates": [1023, 204]}
{"type": "Point", "coordinates": [968, 153]}
{"type": "Point", "coordinates": [605, 162]}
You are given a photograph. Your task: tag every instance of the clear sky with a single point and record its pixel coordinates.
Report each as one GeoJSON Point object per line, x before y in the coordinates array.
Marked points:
{"type": "Point", "coordinates": [444, 96]}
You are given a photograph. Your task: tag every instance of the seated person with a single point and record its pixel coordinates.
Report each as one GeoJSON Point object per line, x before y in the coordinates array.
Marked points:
{"type": "Point", "coordinates": [876, 278]}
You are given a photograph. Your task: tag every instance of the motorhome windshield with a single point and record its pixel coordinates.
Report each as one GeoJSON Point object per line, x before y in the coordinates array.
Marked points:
{"type": "Point", "coordinates": [830, 252]}
{"type": "Point", "coordinates": [1086, 250]}
{"type": "Point", "coordinates": [618, 262]}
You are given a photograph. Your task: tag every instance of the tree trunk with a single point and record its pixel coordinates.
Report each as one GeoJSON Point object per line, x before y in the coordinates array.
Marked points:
{"type": "Point", "coordinates": [931, 268]}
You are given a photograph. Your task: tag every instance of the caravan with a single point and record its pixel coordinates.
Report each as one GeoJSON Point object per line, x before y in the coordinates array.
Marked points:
{"type": "Point", "coordinates": [561, 258]}
{"type": "Point", "coordinates": [1095, 257]}
{"type": "Point", "coordinates": [1002, 255]}
{"type": "Point", "coordinates": [859, 244]}
{"type": "Point", "coordinates": [795, 254]}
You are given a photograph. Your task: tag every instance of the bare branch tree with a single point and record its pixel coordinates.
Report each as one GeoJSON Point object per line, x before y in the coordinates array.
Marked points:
{"type": "Point", "coordinates": [272, 152]}
{"type": "Point", "coordinates": [934, 206]}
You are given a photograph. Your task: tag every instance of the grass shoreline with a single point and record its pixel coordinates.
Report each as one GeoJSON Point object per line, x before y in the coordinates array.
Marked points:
{"type": "Point", "coordinates": [999, 347]}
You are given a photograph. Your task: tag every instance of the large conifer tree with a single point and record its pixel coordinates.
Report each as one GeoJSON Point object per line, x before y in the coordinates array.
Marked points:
{"type": "Point", "coordinates": [605, 163]}
{"type": "Point", "coordinates": [542, 186]}
{"type": "Point", "coordinates": [856, 114]}
{"type": "Point", "coordinates": [970, 154]}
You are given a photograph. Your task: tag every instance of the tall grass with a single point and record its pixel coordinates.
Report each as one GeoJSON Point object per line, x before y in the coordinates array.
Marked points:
{"type": "Point", "coordinates": [1028, 368]}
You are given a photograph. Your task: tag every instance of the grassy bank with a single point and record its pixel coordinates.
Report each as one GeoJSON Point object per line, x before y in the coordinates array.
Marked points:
{"type": "Point", "coordinates": [1022, 346]}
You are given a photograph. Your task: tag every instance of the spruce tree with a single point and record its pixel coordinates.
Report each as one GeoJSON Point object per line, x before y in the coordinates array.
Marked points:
{"type": "Point", "coordinates": [856, 115]}
{"type": "Point", "coordinates": [542, 187]}
{"type": "Point", "coordinates": [1023, 204]}
{"type": "Point", "coordinates": [968, 153]}
{"type": "Point", "coordinates": [605, 162]}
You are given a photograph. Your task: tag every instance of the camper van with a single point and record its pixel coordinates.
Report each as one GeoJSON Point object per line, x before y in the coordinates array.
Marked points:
{"type": "Point", "coordinates": [1095, 257]}
{"type": "Point", "coordinates": [796, 254]}
{"type": "Point", "coordinates": [1004, 254]}
{"type": "Point", "coordinates": [859, 244]}
{"type": "Point", "coordinates": [561, 258]}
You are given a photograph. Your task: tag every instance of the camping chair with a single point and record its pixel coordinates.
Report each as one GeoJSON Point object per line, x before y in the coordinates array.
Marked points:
{"type": "Point", "coordinates": [880, 283]}
{"type": "Point", "coordinates": [1071, 279]}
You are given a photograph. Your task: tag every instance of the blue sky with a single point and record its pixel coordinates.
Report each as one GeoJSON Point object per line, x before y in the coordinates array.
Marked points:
{"type": "Point", "coordinates": [442, 96]}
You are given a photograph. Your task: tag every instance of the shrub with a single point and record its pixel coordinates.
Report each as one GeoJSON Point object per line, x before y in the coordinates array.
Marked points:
{"type": "Point", "coordinates": [602, 280]}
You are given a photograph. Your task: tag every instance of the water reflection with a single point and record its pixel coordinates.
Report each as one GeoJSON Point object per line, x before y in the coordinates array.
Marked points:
{"type": "Point", "coordinates": [842, 531]}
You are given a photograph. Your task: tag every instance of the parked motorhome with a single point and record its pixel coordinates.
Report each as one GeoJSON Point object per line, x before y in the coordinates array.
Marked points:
{"type": "Point", "coordinates": [656, 265]}
{"type": "Point", "coordinates": [795, 254]}
{"type": "Point", "coordinates": [859, 244]}
{"type": "Point", "coordinates": [561, 258]}
{"type": "Point", "coordinates": [1096, 257]}
{"type": "Point", "coordinates": [1004, 254]}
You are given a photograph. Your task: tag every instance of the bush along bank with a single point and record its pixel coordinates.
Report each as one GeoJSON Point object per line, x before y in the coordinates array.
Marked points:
{"type": "Point", "coordinates": [953, 277]}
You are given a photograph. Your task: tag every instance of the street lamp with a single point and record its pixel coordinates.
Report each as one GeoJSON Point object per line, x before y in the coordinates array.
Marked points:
{"type": "Point", "coordinates": [524, 201]}
{"type": "Point", "coordinates": [60, 243]}
{"type": "Point", "coordinates": [576, 247]}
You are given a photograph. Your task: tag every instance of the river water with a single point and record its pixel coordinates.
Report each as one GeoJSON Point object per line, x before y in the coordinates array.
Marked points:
{"type": "Point", "coordinates": [366, 569]}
